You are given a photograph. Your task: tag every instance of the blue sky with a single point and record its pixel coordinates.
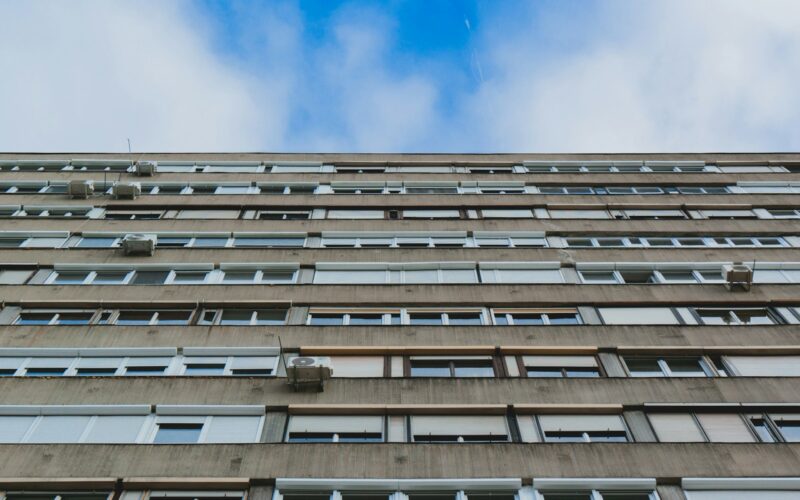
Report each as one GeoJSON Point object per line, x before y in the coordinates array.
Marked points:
{"type": "Point", "coordinates": [400, 75]}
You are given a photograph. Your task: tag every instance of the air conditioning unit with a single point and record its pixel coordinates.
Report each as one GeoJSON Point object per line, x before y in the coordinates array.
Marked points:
{"type": "Point", "coordinates": [127, 190]}
{"type": "Point", "coordinates": [139, 244]}
{"type": "Point", "coordinates": [307, 371]}
{"type": "Point", "coordinates": [737, 276]}
{"type": "Point", "coordinates": [80, 189]}
{"type": "Point", "coordinates": [146, 168]}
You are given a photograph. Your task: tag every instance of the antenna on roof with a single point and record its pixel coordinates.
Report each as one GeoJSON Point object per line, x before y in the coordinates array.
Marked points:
{"type": "Point", "coordinates": [130, 158]}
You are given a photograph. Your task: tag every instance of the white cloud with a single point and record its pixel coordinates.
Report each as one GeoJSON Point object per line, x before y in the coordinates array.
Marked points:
{"type": "Point", "coordinates": [670, 75]}
{"type": "Point", "coordinates": [87, 75]}
{"type": "Point", "coordinates": [652, 76]}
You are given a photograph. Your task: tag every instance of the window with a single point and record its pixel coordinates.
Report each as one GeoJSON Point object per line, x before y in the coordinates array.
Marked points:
{"type": "Point", "coordinates": [394, 273]}
{"type": "Point", "coordinates": [457, 367]}
{"type": "Point", "coordinates": [757, 316]}
{"type": "Point", "coordinates": [233, 317]}
{"type": "Point", "coordinates": [284, 215]}
{"type": "Point", "coordinates": [519, 273]}
{"type": "Point", "coordinates": [335, 429]}
{"type": "Point", "coordinates": [407, 489]}
{"type": "Point", "coordinates": [595, 495]}
{"type": "Point", "coordinates": [741, 489]}
{"type": "Point", "coordinates": [14, 276]}
{"type": "Point", "coordinates": [549, 366]}
{"type": "Point", "coordinates": [785, 214]}
{"type": "Point", "coordinates": [357, 366]}
{"type": "Point", "coordinates": [173, 428]}
{"type": "Point", "coordinates": [207, 214]}
{"type": "Point", "coordinates": [701, 427]}
{"type": "Point", "coordinates": [582, 428]}
{"type": "Point", "coordinates": [528, 317]}
{"type": "Point", "coordinates": [55, 318]}
{"type": "Point", "coordinates": [431, 214]}
{"type": "Point", "coordinates": [268, 242]}
{"type": "Point", "coordinates": [675, 366]}
{"type": "Point", "coordinates": [763, 366]}
{"type": "Point", "coordinates": [98, 242]}
{"type": "Point", "coordinates": [114, 214]}
{"type": "Point", "coordinates": [578, 214]}
{"type": "Point", "coordinates": [638, 316]}
{"type": "Point", "coordinates": [150, 277]}
{"type": "Point", "coordinates": [506, 213]}
{"type": "Point", "coordinates": [459, 429]}
{"type": "Point", "coordinates": [355, 317]}
{"type": "Point", "coordinates": [177, 433]}
{"type": "Point", "coordinates": [355, 214]}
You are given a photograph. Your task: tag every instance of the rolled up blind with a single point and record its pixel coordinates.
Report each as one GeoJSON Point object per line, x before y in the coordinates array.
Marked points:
{"type": "Point", "coordinates": [743, 495]}
{"type": "Point", "coordinates": [725, 428]}
{"type": "Point", "coordinates": [336, 423]}
{"type": "Point", "coordinates": [765, 366]}
{"type": "Point", "coordinates": [638, 316]}
{"type": "Point", "coordinates": [459, 425]}
{"type": "Point", "coordinates": [581, 423]}
{"type": "Point", "coordinates": [357, 366]}
{"type": "Point", "coordinates": [560, 361]}
{"type": "Point", "coordinates": [675, 428]}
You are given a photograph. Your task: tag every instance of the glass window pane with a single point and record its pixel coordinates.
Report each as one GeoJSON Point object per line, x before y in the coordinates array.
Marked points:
{"type": "Point", "coordinates": [31, 318]}
{"type": "Point", "coordinates": [190, 277]}
{"type": "Point", "coordinates": [686, 367]}
{"type": "Point", "coordinates": [71, 277]}
{"type": "Point", "coordinates": [644, 367]}
{"type": "Point", "coordinates": [430, 368]}
{"type": "Point", "coordinates": [366, 319]}
{"type": "Point", "coordinates": [327, 319]}
{"type": "Point", "coordinates": [425, 318]}
{"type": "Point", "coordinates": [76, 318]}
{"type": "Point", "coordinates": [110, 277]}
{"type": "Point", "coordinates": [173, 317]}
{"type": "Point", "coordinates": [204, 368]}
{"type": "Point", "coordinates": [209, 242]}
{"type": "Point", "coordinates": [474, 369]}
{"type": "Point", "coordinates": [563, 319]}
{"type": "Point", "coordinates": [177, 433]}
{"type": "Point", "coordinates": [790, 429]}
{"type": "Point", "coordinates": [135, 317]}
{"type": "Point", "coordinates": [461, 319]}
{"type": "Point", "coordinates": [150, 277]}
{"type": "Point", "coordinates": [97, 242]}
{"type": "Point", "coordinates": [236, 317]}
{"type": "Point", "coordinates": [270, 316]}
{"type": "Point", "coordinates": [527, 319]}
{"type": "Point", "coordinates": [239, 276]}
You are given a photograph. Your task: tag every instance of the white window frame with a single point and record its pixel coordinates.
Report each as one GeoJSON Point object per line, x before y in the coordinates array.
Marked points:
{"type": "Point", "coordinates": [595, 487]}
{"type": "Point", "coordinates": [666, 371]}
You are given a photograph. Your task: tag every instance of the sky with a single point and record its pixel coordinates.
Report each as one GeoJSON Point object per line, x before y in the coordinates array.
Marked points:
{"type": "Point", "coordinates": [400, 75]}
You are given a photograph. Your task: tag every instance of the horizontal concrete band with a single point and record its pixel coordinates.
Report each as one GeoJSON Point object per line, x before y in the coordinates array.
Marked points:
{"type": "Point", "coordinates": [294, 337]}
{"type": "Point", "coordinates": [634, 460]}
{"type": "Point", "coordinates": [394, 201]}
{"type": "Point", "coordinates": [594, 227]}
{"type": "Point", "coordinates": [309, 257]}
{"type": "Point", "coordinates": [512, 391]}
{"type": "Point", "coordinates": [531, 295]}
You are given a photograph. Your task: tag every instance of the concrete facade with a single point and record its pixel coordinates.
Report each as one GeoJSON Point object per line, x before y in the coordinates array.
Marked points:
{"type": "Point", "coordinates": [254, 467]}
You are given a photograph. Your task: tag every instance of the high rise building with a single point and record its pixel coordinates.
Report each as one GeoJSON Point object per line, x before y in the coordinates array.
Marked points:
{"type": "Point", "coordinates": [494, 327]}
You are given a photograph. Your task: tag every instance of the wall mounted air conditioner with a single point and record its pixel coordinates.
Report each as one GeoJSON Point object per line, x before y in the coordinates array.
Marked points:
{"type": "Point", "coordinates": [145, 168]}
{"type": "Point", "coordinates": [80, 189]}
{"type": "Point", "coordinates": [308, 371]}
{"type": "Point", "coordinates": [737, 276]}
{"type": "Point", "coordinates": [139, 244]}
{"type": "Point", "coordinates": [127, 190]}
